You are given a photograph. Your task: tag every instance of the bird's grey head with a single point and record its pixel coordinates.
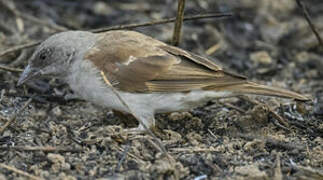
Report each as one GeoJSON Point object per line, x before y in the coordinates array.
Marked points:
{"type": "Point", "coordinates": [54, 56]}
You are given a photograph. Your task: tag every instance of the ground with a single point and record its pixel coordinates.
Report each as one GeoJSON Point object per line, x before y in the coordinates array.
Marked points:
{"type": "Point", "coordinates": [246, 137]}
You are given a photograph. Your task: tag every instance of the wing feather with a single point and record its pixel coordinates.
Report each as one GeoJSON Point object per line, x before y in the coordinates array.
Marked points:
{"type": "Point", "coordinates": [134, 62]}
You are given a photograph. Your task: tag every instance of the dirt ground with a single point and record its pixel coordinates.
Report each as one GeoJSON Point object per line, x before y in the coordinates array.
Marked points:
{"type": "Point", "coordinates": [249, 137]}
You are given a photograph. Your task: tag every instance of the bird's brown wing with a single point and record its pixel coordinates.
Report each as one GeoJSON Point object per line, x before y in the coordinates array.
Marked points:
{"type": "Point", "coordinates": [133, 62]}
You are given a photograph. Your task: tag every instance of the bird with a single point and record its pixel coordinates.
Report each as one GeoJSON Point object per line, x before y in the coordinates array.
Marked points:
{"type": "Point", "coordinates": [149, 75]}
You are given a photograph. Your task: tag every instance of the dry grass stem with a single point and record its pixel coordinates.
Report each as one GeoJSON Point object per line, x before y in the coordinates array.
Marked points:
{"type": "Point", "coordinates": [46, 149]}
{"type": "Point", "coordinates": [309, 21]}
{"type": "Point", "coordinates": [20, 172]}
{"type": "Point", "coordinates": [178, 23]}
{"type": "Point", "coordinates": [11, 69]}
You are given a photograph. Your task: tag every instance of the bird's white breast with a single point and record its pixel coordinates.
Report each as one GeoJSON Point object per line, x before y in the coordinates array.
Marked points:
{"type": "Point", "coordinates": [86, 81]}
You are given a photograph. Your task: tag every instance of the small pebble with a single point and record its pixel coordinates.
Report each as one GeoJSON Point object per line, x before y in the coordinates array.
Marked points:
{"type": "Point", "coordinates": [57, 111]}
{"type": "Point", "coordinates": [261, 57]}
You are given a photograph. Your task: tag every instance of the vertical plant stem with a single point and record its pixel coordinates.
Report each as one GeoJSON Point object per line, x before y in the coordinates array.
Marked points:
{"type": "Point", "coordinates": [178, 23]}
{"type": "Point", "coordinates": [309, 21]}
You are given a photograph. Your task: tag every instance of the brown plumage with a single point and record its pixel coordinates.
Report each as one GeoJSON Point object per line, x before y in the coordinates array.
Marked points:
{"type": "Point", "coordinates": [134, 62]}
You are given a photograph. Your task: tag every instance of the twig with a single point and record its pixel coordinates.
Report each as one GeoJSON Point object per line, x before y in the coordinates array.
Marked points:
{"type": "Point", "coordinates": [128, 26]}
{"type": "Point", "coordinates": [19, 47]}
{"type": "Point", "coordinates": [139, 137]}
{"type": "Point", "coordinates": [6, 68]}
{"type": "Point", "coordinates": [278, 117]}
{"type": "Point", "coordinates": [178, 22]}
{"type": "Point", "coordinates": [131, 155]}
{"type": "Point", "coordinates": [212, 134]}
{"type": "Point", "coordinates": [162, 21]}
{"type": "Point", "coordinates": [45, 149]}
{"type": "Point", "coordinates": [233, 107]}
{"type": "Point", "coordinates": [18, 171]}
{"type": "Point", "coordinates": [278, 172]}
{"type": "Point", "coordinates": [2, 93]}
{"type": "Point", "coordinates": [213, 49]}
{"type": "Point", "coordinates": [124, 155]}
{"type": "Point", "coordinates": [194, 150]}
{"type": "Point", "coordinates": [164, 151]}
{"type": "Point", "coordinates": [12, 118]}
{"type": "Point", "coordinates": [309, 21]}
{"type": "Point", "coordinates": [156, 146]}
{"type": "Point", "coordinates": [276, 123]}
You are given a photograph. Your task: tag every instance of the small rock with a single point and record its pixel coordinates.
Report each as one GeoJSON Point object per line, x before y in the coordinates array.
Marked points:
{"type": "Point", "coordinates": [301, 108]}
{"type": "Point", "coordinates": [195, 123]}
{"type": "Point", "coordinates": [302, 57]}
{"type": "Point", "coordinates": [261, 57]}
{"type": "Point", "coordinates": [220, 148]}
{"type": "Point", "coordinates": [57, 111]}
{"type": "Point", "coordinates": [62, 175]}
{"type": "Point", "coordinates": [40, 114]}
{"type": "Point", "coordinates": [251, 172]}
{"type": "Point", "coordinates": [260, 114]}
{"type": "Point", "coordinates": [12, 91]}
{"type": "Point", "coordinates": [163, 166]}
{"type": "Point", "coordinates": [176, 116]}
{"type": "Point", "coordinates": [102, 8]}
{"type": "Point", "coordinates": [172, 136]}
{"type": "Point", "coordinates": [56, 158]}
{"type": "Point", "coordinates": [194, 138]}
{"type": "Point", "coordinates": [255, 145]}
{"type": "Point", "coordinates": [58, 162]}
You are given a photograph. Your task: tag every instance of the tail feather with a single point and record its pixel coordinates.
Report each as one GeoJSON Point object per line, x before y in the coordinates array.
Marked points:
{"type": "Point", "coordinates": [258, 89]}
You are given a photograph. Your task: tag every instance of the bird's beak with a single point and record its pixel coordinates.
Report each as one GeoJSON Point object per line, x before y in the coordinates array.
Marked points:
{"type": "Point", "coordinates": [28, 74]}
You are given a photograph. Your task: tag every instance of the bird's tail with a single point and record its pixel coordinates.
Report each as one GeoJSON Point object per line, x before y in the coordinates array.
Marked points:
{"type": "Point", "coordinates": [258, 89]}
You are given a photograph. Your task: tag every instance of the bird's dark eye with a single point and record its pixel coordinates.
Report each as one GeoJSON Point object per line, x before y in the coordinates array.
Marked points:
{"type": "Point", "coordinates": [44, 53]}
{"type": "Point", "coordinates": [42, 56]}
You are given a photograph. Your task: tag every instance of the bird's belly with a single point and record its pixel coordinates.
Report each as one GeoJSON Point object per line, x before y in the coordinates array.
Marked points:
{"type": "Point", "coordinates": [169, 102]}
{"type": "Point", "coordinates": [184, 101]}
{"type": "Point", "coordinates": [100, 96]}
